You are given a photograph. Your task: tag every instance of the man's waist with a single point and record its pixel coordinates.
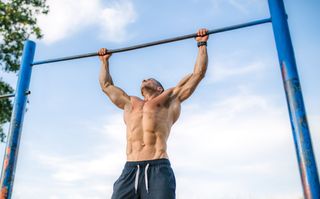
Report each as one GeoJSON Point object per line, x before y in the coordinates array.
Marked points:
{"type": "Point", "coordinates": [161, 161]}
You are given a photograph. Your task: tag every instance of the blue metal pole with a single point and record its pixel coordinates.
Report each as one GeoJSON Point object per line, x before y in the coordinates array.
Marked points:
{"type": "Point", "coordinates": [298, 117]}
{"type": "Point", "coordinates": [12, 148]}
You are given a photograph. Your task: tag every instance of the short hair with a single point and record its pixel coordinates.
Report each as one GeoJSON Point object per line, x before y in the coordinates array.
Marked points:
{"type": "Point", "coordinates": [159, 84]}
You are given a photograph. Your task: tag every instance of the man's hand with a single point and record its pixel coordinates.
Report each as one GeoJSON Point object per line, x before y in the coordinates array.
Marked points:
{"type": "Point", "coordinates": [202, 35]}
{"type": "Point", "coordinates": [104, 55]}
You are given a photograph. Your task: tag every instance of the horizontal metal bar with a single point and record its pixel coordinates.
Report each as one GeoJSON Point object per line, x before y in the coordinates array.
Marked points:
{"type": "Point", "coordinates": [11, 95]}
{"type": "Point", "coordinates": [7, 96]}
{"type": "Point", "coordinates": [219, 30]}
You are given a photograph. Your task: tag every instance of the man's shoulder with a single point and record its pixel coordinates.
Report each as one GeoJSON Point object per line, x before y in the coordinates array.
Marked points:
{"type": "Point", "coordinates": [168, 91]}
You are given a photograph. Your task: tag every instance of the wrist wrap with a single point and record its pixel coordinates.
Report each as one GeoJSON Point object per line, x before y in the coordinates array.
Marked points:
{"type": "Point", "coordinates": [202, 43]}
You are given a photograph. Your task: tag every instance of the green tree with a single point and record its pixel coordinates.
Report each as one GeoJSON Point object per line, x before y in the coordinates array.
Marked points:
{"type": "Point", "coordinates": [18, 21]}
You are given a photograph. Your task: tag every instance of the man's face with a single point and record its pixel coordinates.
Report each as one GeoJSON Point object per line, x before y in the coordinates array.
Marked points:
{"type": "Point", "coordinates": [150, 84]}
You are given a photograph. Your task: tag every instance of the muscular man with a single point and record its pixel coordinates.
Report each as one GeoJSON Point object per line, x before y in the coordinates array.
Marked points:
{"type": "Point", "coordinates": [147, 172]}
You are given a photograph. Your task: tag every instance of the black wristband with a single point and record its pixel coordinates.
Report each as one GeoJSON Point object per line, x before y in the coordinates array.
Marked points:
{"type": "Point", "coordinates": [202, 43]}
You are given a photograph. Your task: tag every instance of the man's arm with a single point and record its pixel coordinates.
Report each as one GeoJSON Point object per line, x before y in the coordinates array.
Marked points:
{"type": "Point", "coordinates": [188, 84]}
{"type": "Point", "coordinates": [116, 95]}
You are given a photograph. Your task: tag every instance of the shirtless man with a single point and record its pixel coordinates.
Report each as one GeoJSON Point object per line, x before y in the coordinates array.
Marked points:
{"type": "Point", "coordinates": [147, 172]}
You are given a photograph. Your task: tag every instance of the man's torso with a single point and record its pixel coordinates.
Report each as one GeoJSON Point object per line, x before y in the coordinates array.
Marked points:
{"type": "Point", "coordinates": [148, 126]}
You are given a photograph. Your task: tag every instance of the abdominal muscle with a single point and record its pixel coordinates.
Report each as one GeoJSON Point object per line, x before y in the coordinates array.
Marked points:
{"type": "Point", "coordinates": [147, 144]}
{"type": "Point", "coordinates": [147, 132]}
{"type": "Point", "coordinates": [149, 148]}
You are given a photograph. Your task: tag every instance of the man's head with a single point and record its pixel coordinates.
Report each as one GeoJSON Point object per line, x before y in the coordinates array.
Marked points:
{"type": "Point", "coordinates": [151, 86]}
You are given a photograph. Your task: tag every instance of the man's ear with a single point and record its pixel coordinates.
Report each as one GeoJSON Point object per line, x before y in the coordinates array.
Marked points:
{"type": "Point", "coordinates": [159, 89]}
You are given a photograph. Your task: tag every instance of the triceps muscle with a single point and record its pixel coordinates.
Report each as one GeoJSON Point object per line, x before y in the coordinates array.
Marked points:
{"type": "Point", "coordinates": [186, 90]}
{"type": "Point", "coordinates": [115, 94]}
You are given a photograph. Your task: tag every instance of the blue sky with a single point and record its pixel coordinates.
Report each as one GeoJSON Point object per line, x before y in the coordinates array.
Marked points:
{"type": "Point", "coordinates": [233, 138]}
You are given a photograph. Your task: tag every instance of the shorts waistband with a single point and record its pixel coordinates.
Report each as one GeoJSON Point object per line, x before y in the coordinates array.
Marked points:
{"type": "Point", "coordinates": [162, 161]}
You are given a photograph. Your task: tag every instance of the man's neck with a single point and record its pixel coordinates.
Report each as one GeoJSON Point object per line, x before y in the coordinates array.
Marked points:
{"type": "Point", "coordinates": [149, 97]}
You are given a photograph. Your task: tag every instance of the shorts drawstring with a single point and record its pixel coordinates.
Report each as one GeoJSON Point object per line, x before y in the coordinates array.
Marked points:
{"type": "Point", "coordinates": [137, 179]}
{"type": "Point", "coordinates": [146, 177]}
{"type": "Point", "coordinates": [136, 182]}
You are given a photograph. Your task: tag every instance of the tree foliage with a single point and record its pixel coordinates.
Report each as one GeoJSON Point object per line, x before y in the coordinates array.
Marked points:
{"type": "Point", "coordinates": [5, 107]}
{"type": "Point", "coordinates": [18, 21]}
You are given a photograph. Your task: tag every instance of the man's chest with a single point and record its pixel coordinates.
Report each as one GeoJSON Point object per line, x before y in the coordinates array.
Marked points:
{"type": "Point", "coordinates": [153, 110]}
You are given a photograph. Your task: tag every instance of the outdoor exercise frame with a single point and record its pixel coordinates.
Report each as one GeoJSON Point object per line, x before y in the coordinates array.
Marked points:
{"type": "Point", "coordinates": [298, 117]}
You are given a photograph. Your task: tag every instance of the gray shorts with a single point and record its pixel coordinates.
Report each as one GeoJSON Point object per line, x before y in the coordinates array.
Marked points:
{"type": "Point", "coordinates": [151, 179]}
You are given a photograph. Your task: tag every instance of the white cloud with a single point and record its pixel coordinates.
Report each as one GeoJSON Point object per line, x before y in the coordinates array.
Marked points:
{"type": "Point", "coordinates": [113, 21]}
{"type": "Point", "coordinates": [243, 143]}
{"type": "Point", "coordinates": [66, 17]}
{"type": "Point", "coordinates": [85, 175]}
{"type": "Point", "coordinates": [72, 169]}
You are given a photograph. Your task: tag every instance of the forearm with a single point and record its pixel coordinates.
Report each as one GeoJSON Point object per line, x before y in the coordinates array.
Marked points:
{"type": "Point", "coordinates": [105, 77]}
{"type": "Point", "coordinates": [200, 67]}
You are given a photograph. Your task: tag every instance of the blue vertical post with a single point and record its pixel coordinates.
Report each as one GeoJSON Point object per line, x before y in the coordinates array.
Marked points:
{"type": "Point", "coordinates": [298, 117]}
{"type": "Point", "coordinates": [12, 148]}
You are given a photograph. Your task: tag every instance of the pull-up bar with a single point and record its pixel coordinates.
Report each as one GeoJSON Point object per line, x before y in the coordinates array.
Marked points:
{"type": "Point", "coordinates": [179, 38]}
{"type": "Point", "coordinates": [11, 95]}
{"type": "Point", "coordinates": [7, 96]}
